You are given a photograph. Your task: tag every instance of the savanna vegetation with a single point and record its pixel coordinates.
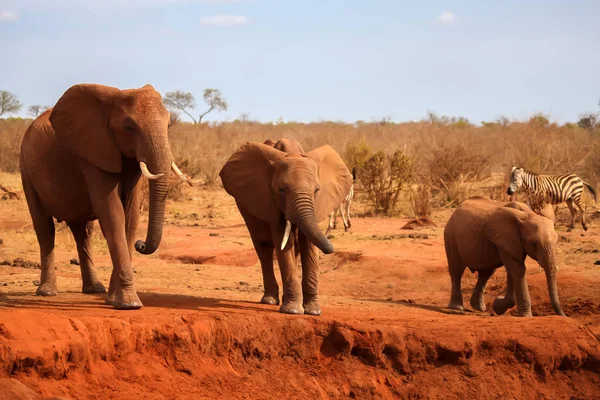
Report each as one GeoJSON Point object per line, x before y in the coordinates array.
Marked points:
{"type": "Point", "coordinates": [405, 168]}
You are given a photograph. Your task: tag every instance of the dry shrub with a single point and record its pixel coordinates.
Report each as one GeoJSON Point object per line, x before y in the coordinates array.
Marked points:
{"type": "Point", "coordinates": [383, 178]}
{"type": "Point", "coordinates": [420, 195]}
{"type": "Point", "coordinates": [453, 168]}
{"type": "Point", "coordinates": [357, 153]}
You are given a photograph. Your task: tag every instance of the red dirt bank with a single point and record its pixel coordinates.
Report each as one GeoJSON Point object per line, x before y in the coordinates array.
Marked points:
{"type": "Point", "coordinates": [241, 350]}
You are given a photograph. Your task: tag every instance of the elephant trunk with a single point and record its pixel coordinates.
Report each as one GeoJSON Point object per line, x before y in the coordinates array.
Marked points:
{"type": "Point", "coordinates": [159, 163]}
{"type": "Point", "coordinates": [303, 215]}
{"type": "Point", "coordinates": [550, 268]}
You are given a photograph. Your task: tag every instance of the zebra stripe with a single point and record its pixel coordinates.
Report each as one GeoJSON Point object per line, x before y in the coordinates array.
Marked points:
{"type": "Point", "coordinates": [350, 195]}
{"type": "Point", "coordinates": [555, 189]}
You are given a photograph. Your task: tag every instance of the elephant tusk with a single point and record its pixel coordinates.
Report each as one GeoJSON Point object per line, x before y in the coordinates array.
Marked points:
{"type": "Point", "coordinates": [180, 174]}
{"type": "Point", "coordinates": [286, 233]}
{"type": "Point", "coordinates": [147, 173]}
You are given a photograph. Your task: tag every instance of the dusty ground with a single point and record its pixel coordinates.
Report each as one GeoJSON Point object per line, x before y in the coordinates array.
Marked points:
{"type": "Point", "coordinates": [384, 332]}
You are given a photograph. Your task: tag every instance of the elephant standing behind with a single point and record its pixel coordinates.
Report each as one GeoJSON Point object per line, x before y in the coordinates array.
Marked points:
{"type": "Point", "coordinates": [81, 161]}
{"type": "Point", "coordinates": [484, 235]}
{"type": "Point", "coordinates": [282, 196]}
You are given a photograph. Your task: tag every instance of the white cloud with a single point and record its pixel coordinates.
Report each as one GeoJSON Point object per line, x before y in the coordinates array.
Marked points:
{"type": "Point", "coordinates": [225, 20]}
{"type": "Point", "coordinates": [446, 17]}
{"type": "Point", "coordinates": [8, 15]}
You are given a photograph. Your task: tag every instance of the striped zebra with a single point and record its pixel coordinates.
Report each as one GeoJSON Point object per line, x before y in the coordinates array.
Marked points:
{"type": "Point", "coordinates": [553, 188]}
{"type": "Point", "coordinates": [343, 209]}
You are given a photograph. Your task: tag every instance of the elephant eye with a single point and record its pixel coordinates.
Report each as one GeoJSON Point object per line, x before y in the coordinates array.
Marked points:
{"type": "Point", "coordinates": [128, 128]}
{"type": "Point", "coordinates": [281, 190]}
{"type": "Point", "coordinates": [317, 189]}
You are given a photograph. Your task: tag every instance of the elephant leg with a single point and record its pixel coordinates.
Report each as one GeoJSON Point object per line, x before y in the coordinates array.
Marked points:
{"type": "Point", "coordinates": [516, 273]}
{"type": "Point", "coordinates": [43, 225]}
{"type": "Point", "coordinates": [573, 213]}
{"type": "Point", "coordinates": [503, 304]}
{"type": "Point", "coordinates": [264, 250]}
{"type": "Point", "coordinates": [456, 269]}
{"type": "Point", "coordinates": [113, 287]}
{"type": "Point", "coordinates": [310, 276]}
{"type": "Point", "coordinates": [478, 297]}
{"type": "Point", "coordinates": [291, 300]}
{"type": "Point", "coordinates": [106, 201]}
{"type": "Point", "coordinates": [130, 197]}
{"type": "Point", "coordinates": [82, 232]}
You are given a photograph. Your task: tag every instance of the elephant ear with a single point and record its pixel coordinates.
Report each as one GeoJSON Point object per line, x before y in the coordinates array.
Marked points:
{"type": "Point", "coordinates": [80, 120]}
{"type": "Point", "coordinates": [504, 229]}
{"type": "Point", "coordinates": [247, 177]}
{"type": "Point", "coordinates": [335, 179]}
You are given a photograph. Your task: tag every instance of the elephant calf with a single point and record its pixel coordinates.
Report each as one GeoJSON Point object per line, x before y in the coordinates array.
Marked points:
{"type": "Point", "coordinates": [483, 235]}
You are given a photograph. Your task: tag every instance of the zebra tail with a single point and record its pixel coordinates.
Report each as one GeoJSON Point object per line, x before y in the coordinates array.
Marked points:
{"type": "Point", "coordinates": [591, 189]}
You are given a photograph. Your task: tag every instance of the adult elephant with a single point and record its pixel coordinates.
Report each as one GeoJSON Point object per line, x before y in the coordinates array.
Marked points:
{"type": "Point", "coordinates": [484, 235]}
{"type": "Point", "coordinates": [282, 196]}
{"type": "Point", "coordinates": [81, 161]}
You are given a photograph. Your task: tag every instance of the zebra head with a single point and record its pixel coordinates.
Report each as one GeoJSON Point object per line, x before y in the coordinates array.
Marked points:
{"type": "Point", "coordinates": [515, 180]}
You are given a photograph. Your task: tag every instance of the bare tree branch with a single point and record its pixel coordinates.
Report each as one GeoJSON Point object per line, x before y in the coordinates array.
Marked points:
{"type": "Point", "coordinates": [215, 101]}
{"type": "Point", "coordinates": [36, 110]}
{"type": "Point", "coordinates": [9, 104]}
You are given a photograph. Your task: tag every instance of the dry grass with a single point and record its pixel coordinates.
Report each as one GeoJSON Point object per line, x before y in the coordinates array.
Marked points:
{"type": "Point", "coordinates": [455, 155]}
{"type": "Point", "coordinates": [11, 134]}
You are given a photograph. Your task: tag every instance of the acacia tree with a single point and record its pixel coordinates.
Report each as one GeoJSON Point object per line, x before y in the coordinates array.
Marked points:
{"type": "Point", "coordinates": [185, 102]}
{"type": "Point", "coordinates": [9, 104]}
{"type": "Point", "coordinates": [215, 101]}
{"type": "Point", "coordinates": [181, 101]}
{"type": "Point", "coordinates": [36, 110]}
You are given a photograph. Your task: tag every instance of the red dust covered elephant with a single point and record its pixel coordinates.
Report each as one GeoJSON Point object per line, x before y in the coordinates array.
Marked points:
{"type": "Point", "coordinates": [282, 196]}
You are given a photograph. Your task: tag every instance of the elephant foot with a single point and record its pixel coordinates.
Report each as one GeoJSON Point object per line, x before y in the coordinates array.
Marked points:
{"type": "Point", "coordinates": [47, 289]}
{"type": "Point", "coordinates": [569, 229]}
{"type": "Point", "coordinates": [526, 313]}
{"type": "Point", "coordinates": [478, 303]}
{"type": "Point", "coordinates": [96, 287]}
{"type": "Point", "coordinates": [312, 308]}
{"type": "Point", "coordinates": [456, 306]}
{"type": "Point", "coordinates": [110, 298]}
{"type": "Point", "coordinates": [346, 228]}
{"type": "Point", "coordinates": [585, 228]}
{"type": "Point", "coordinates": [271, 300]}
{"type": "Point", "coordinates": [127, 301]}
{"type": "Point", "coordinates": [501, 305]}
{"type": "Point", "coordinates": [291, 308]}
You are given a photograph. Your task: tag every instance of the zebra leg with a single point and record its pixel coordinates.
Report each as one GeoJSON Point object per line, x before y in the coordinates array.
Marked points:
{"type": "Point", "coordinates": [573, 213]}
{"type": "Point", "coordinates": [330, 226]}
{"type": "Point", "coordinates": [344, 218]}
{"type": "Point", "coordinates": [335, 213]}
{"type": "Point", "coordinates": [348, 213]}
{"type": "Point", "coordinates": [578, 203]}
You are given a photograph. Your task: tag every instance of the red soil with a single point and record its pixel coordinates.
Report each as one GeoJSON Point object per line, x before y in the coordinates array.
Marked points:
{"type": "Point", "coordinates": [384, 332]}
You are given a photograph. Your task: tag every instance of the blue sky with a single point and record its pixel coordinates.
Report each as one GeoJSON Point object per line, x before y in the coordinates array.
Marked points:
{"type": "Point", "coordinates": [309, 60]}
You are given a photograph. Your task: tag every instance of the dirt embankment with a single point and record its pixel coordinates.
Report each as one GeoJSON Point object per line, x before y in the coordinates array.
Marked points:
{"type": "Point", "coordinates": [237, 350]}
